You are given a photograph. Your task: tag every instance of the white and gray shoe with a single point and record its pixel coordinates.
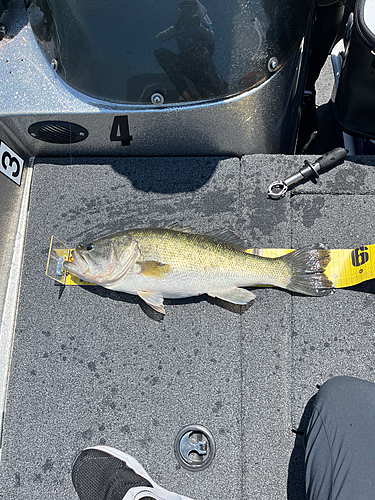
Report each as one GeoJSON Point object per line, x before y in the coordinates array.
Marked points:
{"type": "Point", "coordinates": [104, 473]}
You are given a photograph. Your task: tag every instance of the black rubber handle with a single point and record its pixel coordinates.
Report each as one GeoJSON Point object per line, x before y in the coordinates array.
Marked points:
{"type": "Point", "coordinates": [329, 159]}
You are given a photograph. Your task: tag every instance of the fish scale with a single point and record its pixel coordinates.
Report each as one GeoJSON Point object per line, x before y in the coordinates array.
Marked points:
{"type": "Point", "coordinates": [194, 250]}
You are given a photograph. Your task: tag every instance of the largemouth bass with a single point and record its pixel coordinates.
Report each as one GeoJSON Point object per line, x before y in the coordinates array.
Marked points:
{"type": "Point", "coordinates": [175, 262]}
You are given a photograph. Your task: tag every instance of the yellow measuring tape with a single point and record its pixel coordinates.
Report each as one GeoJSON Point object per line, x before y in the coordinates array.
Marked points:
{"type": "Point", "coordinates": [57, 255]}
{"type": "Point", "coordinates": [347, 267]}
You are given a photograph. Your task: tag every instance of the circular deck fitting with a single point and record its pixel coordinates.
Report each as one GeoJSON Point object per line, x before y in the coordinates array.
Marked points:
{"type": "Point", "coordinates": [194, 447]}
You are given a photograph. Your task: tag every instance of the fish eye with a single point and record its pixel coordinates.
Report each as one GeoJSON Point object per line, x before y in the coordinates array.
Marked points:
{"type": "Point", "coordinates": [89, 247]}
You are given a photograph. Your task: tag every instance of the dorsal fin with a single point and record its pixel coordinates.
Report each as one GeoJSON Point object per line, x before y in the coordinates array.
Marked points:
{"type": "Point", "coordinates": [230, 238]}
{"type": "Point", "coordinates": [175, 226]}
{"type": "Point", "coordinates": [219, 234]}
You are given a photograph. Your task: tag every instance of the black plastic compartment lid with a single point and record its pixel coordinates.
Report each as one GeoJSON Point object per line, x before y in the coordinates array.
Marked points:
{"type": "Point", "coordinates": [364, 19]}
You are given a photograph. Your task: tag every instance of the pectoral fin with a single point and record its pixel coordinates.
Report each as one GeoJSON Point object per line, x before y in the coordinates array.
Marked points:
{"type": "Point", "coordinates": [153, 299]}
{"type": "Point", "coordinates": [235, 295]}
{"type": "Point", "coordinates": [154, 269]}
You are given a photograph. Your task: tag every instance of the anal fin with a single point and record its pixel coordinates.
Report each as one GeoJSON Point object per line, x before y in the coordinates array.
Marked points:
{"type": "Point", "coordinates": [153, 299]}
{"type": "Point", "coordinates": [234, 295]}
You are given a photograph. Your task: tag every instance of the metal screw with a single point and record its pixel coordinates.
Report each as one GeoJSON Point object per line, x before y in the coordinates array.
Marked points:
{"type": "Point", "coordinates": [81, 134]}
{"type": "Point", "coordinates": [273, 64]}
{"type": "Point", "coordinates": [54, 64]}
{"type": "Point", "coordinates": [157, 98]}
{"type": "Point", "coordinates": [33, 134]}
{"type": "Point", "coordinates": [3, 31]}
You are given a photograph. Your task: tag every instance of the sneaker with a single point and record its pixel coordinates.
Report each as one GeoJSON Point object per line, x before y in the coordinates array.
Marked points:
{"type": "Point", "coordinates": [104, 473]}
{"type": "Point", "coordinates": [308, 129]}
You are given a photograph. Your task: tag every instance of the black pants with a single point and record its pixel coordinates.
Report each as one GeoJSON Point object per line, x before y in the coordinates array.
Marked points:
{"type": "Point", "coordinates": [340, 441]}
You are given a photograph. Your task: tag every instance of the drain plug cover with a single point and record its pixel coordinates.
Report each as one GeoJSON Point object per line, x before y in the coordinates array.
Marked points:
{"type": "Point", "coordinates": [194, 447]}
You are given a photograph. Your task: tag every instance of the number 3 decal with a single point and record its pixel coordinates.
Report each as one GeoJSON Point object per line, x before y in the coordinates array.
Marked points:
{"type": "Point", "coordinates": [11, 164]}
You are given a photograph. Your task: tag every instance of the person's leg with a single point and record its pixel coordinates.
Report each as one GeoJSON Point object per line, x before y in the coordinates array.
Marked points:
{"type": "Point", "coordinates": [175, 67]}
{"type": "Point", "coordinates": [340, 441]}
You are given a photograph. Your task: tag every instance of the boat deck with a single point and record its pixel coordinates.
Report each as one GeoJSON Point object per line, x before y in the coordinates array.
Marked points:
{"type": "Point", "coordinates": [92, 366]}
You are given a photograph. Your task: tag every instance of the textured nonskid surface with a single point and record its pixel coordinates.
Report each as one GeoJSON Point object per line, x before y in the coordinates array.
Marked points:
{"type": "Point", "coordinates": [91, 366]}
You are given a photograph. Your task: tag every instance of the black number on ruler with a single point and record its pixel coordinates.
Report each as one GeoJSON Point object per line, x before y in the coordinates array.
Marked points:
{"type": "Point", "coordinates": [359, 256]}
{"type": "Point", "coordinates": [120, 130]}
{"type": "Point", "coordinates": [7, 160]}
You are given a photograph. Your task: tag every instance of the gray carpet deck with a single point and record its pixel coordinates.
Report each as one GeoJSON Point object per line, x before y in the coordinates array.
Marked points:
{"type": "Point", "coordinates": [91, 366]}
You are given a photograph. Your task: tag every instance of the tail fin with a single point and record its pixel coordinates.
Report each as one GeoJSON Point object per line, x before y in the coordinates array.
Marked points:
{"type": "Point", "coordinates": [308, 267]}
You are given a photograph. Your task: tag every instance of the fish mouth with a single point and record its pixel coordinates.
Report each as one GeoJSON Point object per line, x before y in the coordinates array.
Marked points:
{"type": "Point", "coordinates": [83, 266]}
{"type": "Point", "coordinates": [79, 267]}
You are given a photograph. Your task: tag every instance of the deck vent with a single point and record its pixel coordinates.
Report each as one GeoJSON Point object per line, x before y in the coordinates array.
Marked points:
{"type": "Point", "coordinates": [58, 132]}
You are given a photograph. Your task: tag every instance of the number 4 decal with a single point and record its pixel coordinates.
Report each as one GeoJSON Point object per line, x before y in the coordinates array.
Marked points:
{"type": "Point", "coordinates": [120, 130]}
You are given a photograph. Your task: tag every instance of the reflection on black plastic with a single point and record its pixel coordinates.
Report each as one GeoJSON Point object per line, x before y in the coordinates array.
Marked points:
{"type": "Point", "coordinates": [184, 51]}
{"type": "Point", "coordinates": [191, 70]}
